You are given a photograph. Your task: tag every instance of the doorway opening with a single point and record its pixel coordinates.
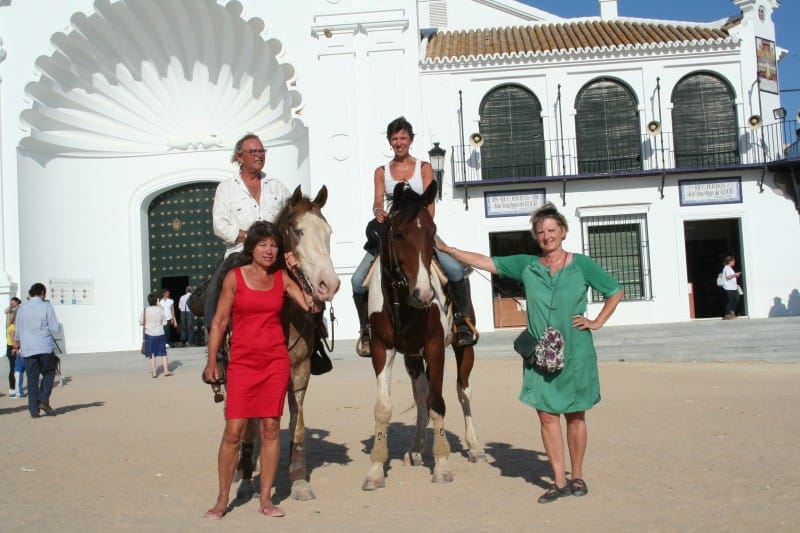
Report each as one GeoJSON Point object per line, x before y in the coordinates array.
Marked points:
{"type": "Point", "coordinates": [508, 295]}
{"type": "Point", "coordinates": [183, 248]}
{"type": "Point", "coordinates": [707, 244]}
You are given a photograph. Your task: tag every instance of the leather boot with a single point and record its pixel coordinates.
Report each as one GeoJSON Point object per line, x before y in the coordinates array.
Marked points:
{"type": "Point", "coordinates": [464, 331]}
{"type": "Point", "coordinates": [363, 345]}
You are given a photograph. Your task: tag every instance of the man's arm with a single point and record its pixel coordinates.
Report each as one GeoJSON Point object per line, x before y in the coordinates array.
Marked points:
{"type": "Point", "coordinates": [225, 226]}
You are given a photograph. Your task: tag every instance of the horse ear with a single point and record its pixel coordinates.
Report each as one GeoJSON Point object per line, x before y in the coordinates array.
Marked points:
{"type": "Point", "coordinates": [296, 195]}
{"type": "Point", "coordinates": [399, 189]}
{"type": "Point", "coordinates": [322, 197]}
{"type": "Point", "coordinates": [430, 193]}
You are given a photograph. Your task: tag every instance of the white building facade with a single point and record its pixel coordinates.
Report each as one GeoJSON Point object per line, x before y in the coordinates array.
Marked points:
{"type": "Point", "coordinates": [117, 119]}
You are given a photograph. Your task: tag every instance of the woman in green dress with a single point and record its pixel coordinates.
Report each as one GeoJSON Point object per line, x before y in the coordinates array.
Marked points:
{"type": "Point", "coordinates": [556, 283]}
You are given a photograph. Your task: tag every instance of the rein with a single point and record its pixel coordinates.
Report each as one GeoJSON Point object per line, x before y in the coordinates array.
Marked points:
{"type": "Point", "coordinates": [302, 280]}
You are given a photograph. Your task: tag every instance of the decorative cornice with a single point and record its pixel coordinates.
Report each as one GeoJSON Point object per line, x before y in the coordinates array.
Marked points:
{"type": "Point", "coordinates": [135, 78]}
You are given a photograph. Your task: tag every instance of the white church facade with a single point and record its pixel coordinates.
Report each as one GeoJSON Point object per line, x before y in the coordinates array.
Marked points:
{"type": "Point", "coordinates": [661, 141]}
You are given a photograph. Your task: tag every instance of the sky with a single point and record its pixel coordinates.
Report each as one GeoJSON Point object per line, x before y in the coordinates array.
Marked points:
{"type": "Point", "coordinates": [787, 34]}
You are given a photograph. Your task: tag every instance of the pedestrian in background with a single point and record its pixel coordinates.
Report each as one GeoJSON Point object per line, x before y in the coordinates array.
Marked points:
{"type": "Point", "coordinates": [155, 339]}
{"type": "Point", "coordinates": [34, 340]}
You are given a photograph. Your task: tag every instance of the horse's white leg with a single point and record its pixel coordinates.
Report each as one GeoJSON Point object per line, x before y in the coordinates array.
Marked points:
{"type": "Point", "coordinates": [419, 386]}
{"type": "Point", "coordinates": [376, 478]}
{"type": "Point", "coordinates": [475, 451]}
{"type": "Point", "coordinates": [441, 450]}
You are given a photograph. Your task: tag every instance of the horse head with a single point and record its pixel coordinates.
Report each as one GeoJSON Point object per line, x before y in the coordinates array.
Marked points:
{"type": "Point", "coordinates": [408, 244]}
{"type": "Point", "coordinates": [306, 234]}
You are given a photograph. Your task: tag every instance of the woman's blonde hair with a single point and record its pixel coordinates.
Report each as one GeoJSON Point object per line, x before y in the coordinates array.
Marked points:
{"type": "Point", "coordinates": [546, 211]}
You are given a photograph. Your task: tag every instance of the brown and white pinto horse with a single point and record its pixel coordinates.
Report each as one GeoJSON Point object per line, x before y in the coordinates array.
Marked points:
{"type": "Point", "coordinates": [408, 315]}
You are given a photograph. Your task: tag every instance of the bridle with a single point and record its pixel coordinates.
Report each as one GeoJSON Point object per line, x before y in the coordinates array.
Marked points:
{"type": "Point", "coordinates": [291, 239]}
{"type": "Point", "coordinates": [397, 282]}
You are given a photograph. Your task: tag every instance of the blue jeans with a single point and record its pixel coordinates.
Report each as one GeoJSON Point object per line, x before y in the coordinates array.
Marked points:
{"type": "Point", "coordinates": [43, 364]}
{"type": "Point", "coordinates": [452, 269]}
{"type": "Point", "coordinates": [187, 326]}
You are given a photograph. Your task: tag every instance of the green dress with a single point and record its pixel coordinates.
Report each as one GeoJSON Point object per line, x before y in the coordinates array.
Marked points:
{"type": "Point", "coordinates": [577, 386]}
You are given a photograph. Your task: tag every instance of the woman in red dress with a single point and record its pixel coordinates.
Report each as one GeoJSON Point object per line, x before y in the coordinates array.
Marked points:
{"type": "Point", "coordinates": [259, 366]}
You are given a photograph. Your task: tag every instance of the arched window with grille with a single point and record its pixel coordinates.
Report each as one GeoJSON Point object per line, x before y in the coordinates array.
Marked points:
{"type": "Point", "coordinates": [607, 128]}
{"type": "Point", "coordinates": [704, 122]}
{"type": "Point", "coordinates": [511, 125]}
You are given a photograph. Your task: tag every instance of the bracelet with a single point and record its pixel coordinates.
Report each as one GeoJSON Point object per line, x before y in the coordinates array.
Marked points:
{"type": "Point", "coordinates": [453, 251]}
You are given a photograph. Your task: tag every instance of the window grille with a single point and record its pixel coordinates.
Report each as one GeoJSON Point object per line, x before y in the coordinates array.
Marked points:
{"type": "Point", "coordinates": [619, 244]}
{"type": "Point", "coordinates": [704, 122]}
{"type": "Point", "coordinates": [607, 128]}
{"type": "Point", "coordinates": [513, 134]}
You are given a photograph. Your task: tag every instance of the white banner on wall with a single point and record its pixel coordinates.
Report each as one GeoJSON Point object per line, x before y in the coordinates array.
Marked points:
{"type": "Point", "coordinates": [71, 292]}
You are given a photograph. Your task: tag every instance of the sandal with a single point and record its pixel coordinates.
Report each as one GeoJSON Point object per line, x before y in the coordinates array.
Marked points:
{"type": "Point", "coordinates": [578, 487]}
{"type": "Point", "coordinates": [554, 493]}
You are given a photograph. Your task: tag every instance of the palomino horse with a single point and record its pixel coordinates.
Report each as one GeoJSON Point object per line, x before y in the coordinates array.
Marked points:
{"type": "Point", "coordinates": [304, 232]}
{"type": "Point", "coordinates": [408, 315]}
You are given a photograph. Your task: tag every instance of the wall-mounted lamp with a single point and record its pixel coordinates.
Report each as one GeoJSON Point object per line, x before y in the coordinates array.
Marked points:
{"type": "Point", "coordinates": [779, 113]}
{"type": "Point", "coordinates": [436, 155]}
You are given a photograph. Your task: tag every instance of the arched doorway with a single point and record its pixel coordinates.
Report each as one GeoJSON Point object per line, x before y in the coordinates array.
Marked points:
{"type": "Point", "coordinates": [181, 243]}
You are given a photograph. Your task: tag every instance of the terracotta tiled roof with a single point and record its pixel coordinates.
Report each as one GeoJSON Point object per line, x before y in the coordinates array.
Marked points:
{"type": "Point", "coordinates": [587, 35]}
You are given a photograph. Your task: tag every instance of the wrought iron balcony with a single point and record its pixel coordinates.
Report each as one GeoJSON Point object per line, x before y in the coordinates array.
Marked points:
{"type": "Point", "coordinates": [559, 158]}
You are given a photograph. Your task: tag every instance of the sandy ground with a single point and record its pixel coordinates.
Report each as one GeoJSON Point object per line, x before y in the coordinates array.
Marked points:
{"type": "Point", "coordinates": [672, 447]}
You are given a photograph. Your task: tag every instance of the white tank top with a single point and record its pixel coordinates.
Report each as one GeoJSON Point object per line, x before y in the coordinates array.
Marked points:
{"type": "Point", "coordinates": [415, 181]}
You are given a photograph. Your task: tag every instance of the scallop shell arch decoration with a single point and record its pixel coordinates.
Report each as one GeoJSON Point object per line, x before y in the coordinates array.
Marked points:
{"type": "Point", "coordinates": [149, 77]}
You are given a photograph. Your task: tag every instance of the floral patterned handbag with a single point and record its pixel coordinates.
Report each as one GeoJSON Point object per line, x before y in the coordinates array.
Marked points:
{"type": "Point", "coordinates": [549, 351]}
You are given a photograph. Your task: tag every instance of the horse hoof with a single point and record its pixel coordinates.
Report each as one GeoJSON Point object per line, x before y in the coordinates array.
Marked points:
{"type": "Point", "coordinates": [246, 490]}
{"type": "Point", "coordinates": [301, 491]}
{"type": "Point", "coordinates": [442, 477]}
{"type": "Point", "coordinates": [412, 459]}
{"type": "Point", "coordinates": [373, 484]}
{"type": "Point", "coordinates": [477, 457]}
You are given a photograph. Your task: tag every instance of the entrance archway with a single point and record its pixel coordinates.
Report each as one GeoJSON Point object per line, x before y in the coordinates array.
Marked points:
{"type": "Point", "coordinates": [181, 243]}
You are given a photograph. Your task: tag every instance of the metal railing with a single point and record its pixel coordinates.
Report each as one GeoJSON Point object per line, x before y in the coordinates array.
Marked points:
{"type": "Point", "coordinates": [562, 157]}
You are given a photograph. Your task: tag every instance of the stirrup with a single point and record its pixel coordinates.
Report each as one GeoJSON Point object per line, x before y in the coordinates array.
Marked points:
{"type": "Point", "coordinates": [363, 344]}
{"type": "Point", "coordinates": [465, 333]}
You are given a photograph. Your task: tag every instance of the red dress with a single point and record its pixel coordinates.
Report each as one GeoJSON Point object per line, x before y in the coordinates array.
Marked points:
{"type": "Point", "coordinates": [259, 366]}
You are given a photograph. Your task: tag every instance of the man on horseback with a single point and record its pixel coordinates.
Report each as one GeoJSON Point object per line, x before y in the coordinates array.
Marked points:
{"type": "Point", "coordinates": [403, 168]}
{"type": "Point", "coordinates": [245, 198]}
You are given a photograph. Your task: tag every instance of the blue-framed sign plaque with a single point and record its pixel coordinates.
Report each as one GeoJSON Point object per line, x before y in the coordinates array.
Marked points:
{"type": "Point", "coordinates": [710, 191]}
{"type": "Point", "coordinates": [512, 203]}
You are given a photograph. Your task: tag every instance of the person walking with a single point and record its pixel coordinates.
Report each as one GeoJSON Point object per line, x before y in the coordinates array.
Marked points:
{"type": "Point", "coordinates": [168, 305]}
{"type": "Point", "coordinates": [34, 340]}
{"type": "Point", "coordinates": [155, 343]}
{"type": "Point", "coordinates": [730, 284]}
{"type": "Point", "coordinates": [556, 285]}
{"type": "Point", "coordinates": [11, 317]}
{"type": "Point", "coordinates": [187, 320]}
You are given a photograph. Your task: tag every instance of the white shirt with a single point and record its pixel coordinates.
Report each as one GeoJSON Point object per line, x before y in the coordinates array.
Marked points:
{"type": "Point", "coordinates": [235, 208]}
{"type": "Point", "coordinates": [167, 305]}
{"type": "Point", "coordinates": [728, 284]}
{"type": "Point", "coordinates": [415, 181]}
{"type": "Point", "coordinates": [183, 301]}
{"type": "Point", "coordinates": [153, 320]}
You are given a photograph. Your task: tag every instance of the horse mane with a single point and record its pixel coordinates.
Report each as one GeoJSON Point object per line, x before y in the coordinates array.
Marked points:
{"type": "Point", "coordinates": [406, 203]}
